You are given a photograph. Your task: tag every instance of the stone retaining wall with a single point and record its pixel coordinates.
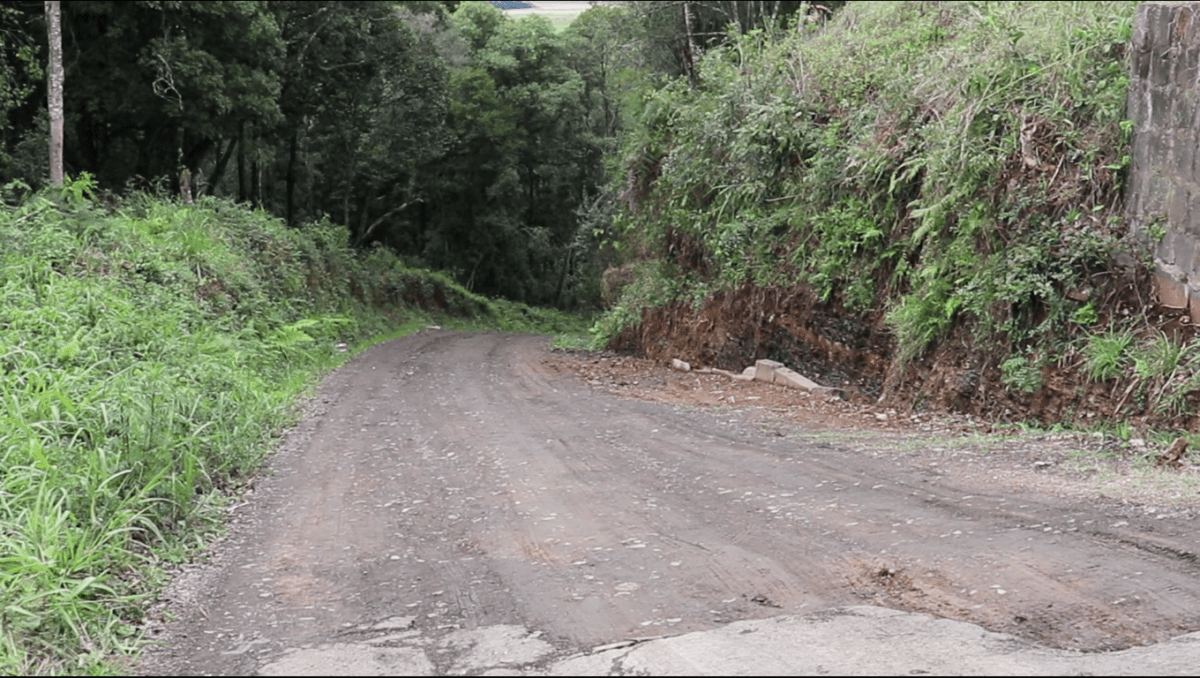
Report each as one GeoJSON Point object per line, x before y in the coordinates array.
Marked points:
{"type": "Point", "coordinates": [1163, 191]}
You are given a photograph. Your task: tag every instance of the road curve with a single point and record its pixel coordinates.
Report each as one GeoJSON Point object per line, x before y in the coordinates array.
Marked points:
{"type": "Point", "coordinates": [453, 504]}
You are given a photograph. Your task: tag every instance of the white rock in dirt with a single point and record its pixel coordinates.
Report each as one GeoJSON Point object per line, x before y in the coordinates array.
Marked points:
{"type": "Point", "coordinates": [680, 365]}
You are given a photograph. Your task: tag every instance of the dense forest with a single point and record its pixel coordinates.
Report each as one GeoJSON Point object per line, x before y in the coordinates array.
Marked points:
{"type": "Point", "coordinates": [462, 138]}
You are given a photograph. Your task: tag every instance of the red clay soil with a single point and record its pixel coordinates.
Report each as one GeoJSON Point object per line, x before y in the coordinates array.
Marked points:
{"type": "Point", "coordinates": [836, 347]}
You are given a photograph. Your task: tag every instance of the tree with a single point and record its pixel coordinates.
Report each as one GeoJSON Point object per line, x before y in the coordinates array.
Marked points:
{"type": "Point", "coordinates": [363, 99]}
{"type": "Point", "coordinates": [24, 117]}
{"type": "Point", "coordinates": [159, 86]}
{"type": "Point", "coordinates": [55, 81]}
{"type": "Point", "coordinates": [501, 203]}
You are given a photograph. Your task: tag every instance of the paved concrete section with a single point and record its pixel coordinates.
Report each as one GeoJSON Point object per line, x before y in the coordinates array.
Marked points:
{"type": "Point", "coordinates": [861, 640]}
{"type": "Point", "coordinates": [347, 659]}
{"type": "Point", "coordinates": [871, 641]}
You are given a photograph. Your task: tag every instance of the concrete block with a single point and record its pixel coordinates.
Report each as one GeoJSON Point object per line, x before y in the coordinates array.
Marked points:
{"type": "Point", "coordinates": [1185, 253]}
{"type": "Point", "coordinates": [1164, 251]}
{"type": "Point", "coordinates": [1170, 292]}
{"type": "Point", "coordinates": [1133, 106]}
{"type": "Point", "coordinates": [1154, 195]}
{"type": "Point", "coordinates": [1136, 183]}
{"type": "Point", "coordinates": [1160, 67]}
{"type": "Point", "coordinates": [793, 379]}
{"type": "Point", "coordinates": [1184, 115]}
{"type": "Point", "coordinates": [1194, 304]}
{"type": "Point", "coordinates": [740, 376]}
{"type": "Point", "coordinates": [1141, 66]}
{"type": "Point", "coordinates": [764, 370]}
{"type": "Point", "coordinates": [1177, 207]}
{"type": "Point", "coordinates": [1160, 110]}
{"type": "Point", "coordinates": [1185, 30]}
{"type": "Point", "coordinates": [1184, 152]}
{"type": "Point", "coordinates": [1193, 227]}
{"type": "Point", "coordinates": [1185, 69]}
{"type": "Point", "coordinates": [1141, 28]}
{"type": "Point", "coordinates": [1160, 29]}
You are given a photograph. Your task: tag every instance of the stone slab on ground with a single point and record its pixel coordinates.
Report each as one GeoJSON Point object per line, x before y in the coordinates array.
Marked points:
{"type": "Point", "coordinates": [773, 372]}
{"type": "Point", "coordinates": [764, 370]}
{"type": "Point", "coordinates": [793, 379]}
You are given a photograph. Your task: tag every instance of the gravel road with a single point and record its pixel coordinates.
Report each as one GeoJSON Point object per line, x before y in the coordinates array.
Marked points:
{"type": "Point", "coordinates": [459, 503]}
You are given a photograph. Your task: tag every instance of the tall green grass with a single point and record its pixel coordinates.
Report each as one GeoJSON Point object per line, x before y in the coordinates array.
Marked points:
{"type": "Point", "coordinates": [148, 357]}
{"type": "Point", "coordinates": [939, 164]}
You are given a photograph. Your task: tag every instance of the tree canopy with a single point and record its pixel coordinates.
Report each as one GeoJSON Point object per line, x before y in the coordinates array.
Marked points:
{"type": "Point", "coordinates": [457, 135]}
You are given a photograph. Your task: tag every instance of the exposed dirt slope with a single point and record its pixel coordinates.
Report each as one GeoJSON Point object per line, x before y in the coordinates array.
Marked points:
{"type": "Point", "coordinates": [836, 347]}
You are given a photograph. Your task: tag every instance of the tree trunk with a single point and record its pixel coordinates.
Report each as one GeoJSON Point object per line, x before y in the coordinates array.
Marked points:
{"type": "Point", "coordinates": [562, 277]}
{"type": "Point", "coordinates": [255, 184]}
{"type": "Point", "coordinates": [53, 16]}
{"type": "Point", "coordinates": [241, 163]}
{"type": "Point", "coordinates": [219, 170]}
{"type": "Point", "coordinates": [689, 59]}
{"type": "Point", "coordinates": [290, 210]}
{"type": "Point", "coordinates": [363, 211]}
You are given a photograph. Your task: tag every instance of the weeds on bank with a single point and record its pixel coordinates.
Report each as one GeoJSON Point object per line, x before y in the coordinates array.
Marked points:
{"type": "Point", "coordinates": [944, 165]}
{"type": "Point", "coordinates": [147, 357]}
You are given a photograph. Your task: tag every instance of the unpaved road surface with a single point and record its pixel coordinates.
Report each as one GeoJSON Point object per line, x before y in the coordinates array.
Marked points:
{"type": "Point", "coordinates": [470, 502]}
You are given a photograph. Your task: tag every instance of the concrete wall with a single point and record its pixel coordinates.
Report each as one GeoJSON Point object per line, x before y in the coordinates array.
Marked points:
{"type": "Point", "coordinates": [1164, 179]}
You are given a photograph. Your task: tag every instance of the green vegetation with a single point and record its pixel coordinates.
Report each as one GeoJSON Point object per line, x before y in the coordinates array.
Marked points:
{"type": "Point", "coordinates": [152, 353]}
{"type": "Point", "coordinates": [952, 170]}
{"type": "Point", "coordinates": [463, 140]}
{"type": "Point", "coordinates": [944, 164]}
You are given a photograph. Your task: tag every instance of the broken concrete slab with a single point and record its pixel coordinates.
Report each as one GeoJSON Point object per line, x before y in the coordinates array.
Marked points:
{"type": "Point", "coordinates": [773, 372]}
{"type": "Point", "coordinates": [866, 641]}
{"type": "Point", "coordinates": [735, 375]}
{"type": "Point", "coordinates": [792, 379]}
{"type": "Point", "coordinates": [764, 370]}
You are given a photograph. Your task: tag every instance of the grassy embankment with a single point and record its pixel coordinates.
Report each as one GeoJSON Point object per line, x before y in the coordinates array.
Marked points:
{"type": "Point", "coordinates": [150, 356]}
{"type": "Point", "coordinates": [953, 168]}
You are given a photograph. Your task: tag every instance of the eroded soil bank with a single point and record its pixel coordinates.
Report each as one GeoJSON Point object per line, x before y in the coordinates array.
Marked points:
{"type": "Point", "coordinates": [837, 347]}
{"type": "Point", "coordinates": [454, 483]}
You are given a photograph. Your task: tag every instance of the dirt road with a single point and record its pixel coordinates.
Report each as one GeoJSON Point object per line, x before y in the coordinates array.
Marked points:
{"type": "Point", "coordinates": [459, 502]}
